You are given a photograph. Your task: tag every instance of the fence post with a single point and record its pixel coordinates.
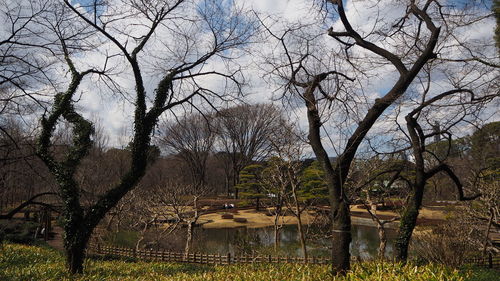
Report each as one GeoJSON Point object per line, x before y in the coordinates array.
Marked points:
{"type": "Point", "coordinates": [490, 260]}
{"type": "Point", "coordinates": [269, 258]}
{"type": "Point", "coordinates": [228, 258]}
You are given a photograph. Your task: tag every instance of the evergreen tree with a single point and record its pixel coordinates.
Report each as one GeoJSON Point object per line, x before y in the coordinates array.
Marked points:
{"type": "Point", "coordinates": [313, 183]}
{"type": "Point", "coordinates": [250, 186]}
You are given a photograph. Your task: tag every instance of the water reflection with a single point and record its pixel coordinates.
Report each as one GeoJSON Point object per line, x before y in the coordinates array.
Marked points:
{"type": "Point", "coordinates": [240, 241]}
{"type": "Point", "coordinates": [261, 240]}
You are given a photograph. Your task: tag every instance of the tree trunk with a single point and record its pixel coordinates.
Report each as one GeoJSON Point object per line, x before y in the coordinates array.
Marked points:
{"type": "Point", "coordinates": [226, 182]}
{"type": "Point", "coordinates": [406, 227]}
{"type": "Point", "coordinates": [190, 230]}
{"type": "Point", "coordinates": [235, 182]}
{"type": "Point", "coordinates": [301, 235]}
{"type": "Point", "coordinates": [298, 214]}
{"type": "Point", "coordinates": [383, 241]}
{"type": "Point", "coordinates": [487, 234]}
{"type": "Point", "coordinates": [409, 217]}
{"type": "Point", "coordinates": [335, 178]}
{"type": "Point", "coordinates": [341, 237]}
{"type": "Point", "coordinates": [75, 252]}
{"type": "Point", "coordinates": [276, 232]}
{"type": "Point", "coordinates": [74, 258]}
{"type": "Point", "coordinates": [189, 239]}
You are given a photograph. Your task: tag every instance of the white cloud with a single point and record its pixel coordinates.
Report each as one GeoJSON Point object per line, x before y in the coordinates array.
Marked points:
{"type": "Point", "coordinates": [166, 47]}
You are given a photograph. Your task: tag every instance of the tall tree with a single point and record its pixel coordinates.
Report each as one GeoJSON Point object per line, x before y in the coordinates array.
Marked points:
{"type": "Point", "coordinates": [181, 62]}
{"type": "Point", "coordinates": [424, 170]}
{"type": "Point", "coordinates": [312, 87]}
{"type": "Point", "coordinates": [191, 139]}
{"type": "Point", "coordinates": [332, 77]}
{"type": "Point", "coordinates": [243, 136]}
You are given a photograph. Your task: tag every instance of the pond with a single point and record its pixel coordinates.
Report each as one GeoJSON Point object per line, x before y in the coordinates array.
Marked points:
{"type": "Point", "coordinates": [246, 240]}
{"type": "Point", "coordinates": [259, 240]}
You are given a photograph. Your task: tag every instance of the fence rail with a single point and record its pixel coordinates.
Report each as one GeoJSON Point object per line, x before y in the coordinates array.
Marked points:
{"type": "Point", "coordinates": [165, 256]}
{"type": "Point", "coordinates": [489, 261]}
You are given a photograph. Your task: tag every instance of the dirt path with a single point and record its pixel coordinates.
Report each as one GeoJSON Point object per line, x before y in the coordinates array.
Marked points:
{"type": "Point", "coordinates": [56, 241]}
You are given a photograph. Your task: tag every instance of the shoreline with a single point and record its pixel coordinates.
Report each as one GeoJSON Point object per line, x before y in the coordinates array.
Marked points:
{"type": "Point", "coordinates": [359, 216]}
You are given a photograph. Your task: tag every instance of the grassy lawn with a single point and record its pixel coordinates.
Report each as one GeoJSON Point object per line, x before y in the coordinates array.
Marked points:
{"type": "Point", "coordinates": [18, 262]}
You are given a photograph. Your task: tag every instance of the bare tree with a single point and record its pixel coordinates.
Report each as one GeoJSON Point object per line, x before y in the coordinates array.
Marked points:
{"type": "Point", "coordinates": [243, 134]}
{"type": "Point", "coordinates": [374, 180]}
{"type": "Point", "coordinates": [311, 84]}
{"type": "Point", "coordinates": [182, 62]}
{"type": "Point", "coordinates": [182, 202]}
{"type": "Point", "coordinates": [277, 189]}
{"type": "Point", "coordinates": [21, 69]}
{"type": "Point", "coordinates": [321, 73]}
{"type": "Point", "coordinates": [425, 169]}
{"type": "Point", "coordinates": [284, 174]}
{"type": "Point", "coordinates": [191, 139]}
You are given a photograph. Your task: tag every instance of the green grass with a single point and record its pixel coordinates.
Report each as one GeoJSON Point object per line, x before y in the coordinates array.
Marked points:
{"type": "Point", "coordinates": [18, 262]}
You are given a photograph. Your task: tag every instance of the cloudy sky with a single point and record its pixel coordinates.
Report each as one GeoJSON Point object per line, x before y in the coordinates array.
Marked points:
{"type": "Point", "coordinates": [372, 17]}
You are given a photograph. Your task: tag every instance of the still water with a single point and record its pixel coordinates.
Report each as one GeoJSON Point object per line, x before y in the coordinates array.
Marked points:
{"type": "Point", "coordinates": [239, 241]}
{"type": "Point", "coordinates": [261, 240]}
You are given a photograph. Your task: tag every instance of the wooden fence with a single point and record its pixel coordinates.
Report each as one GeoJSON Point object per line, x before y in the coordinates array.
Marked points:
{"type": "Point", "coordinates": [165, 256]}
{"type": "Point", "coordinates": [489, 261]}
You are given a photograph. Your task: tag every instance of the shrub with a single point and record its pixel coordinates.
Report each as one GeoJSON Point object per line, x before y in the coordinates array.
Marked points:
{"type": "Point", "coordinates": [240, 220]}
{"type": "Point", "coordinates": [227, 216]}
{"type": "Point", "coordinates": [447, 244]}
{"type": "Point", "coordinates": [18, 231]}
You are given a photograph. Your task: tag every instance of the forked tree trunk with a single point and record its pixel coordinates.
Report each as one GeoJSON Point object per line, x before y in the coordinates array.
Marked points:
{"type": "Point", "coordinates": [410, 214]}
{"type": "Point", "coordinates": [372, 210]}
{"type": "Point", "coordinates": [487, 234]}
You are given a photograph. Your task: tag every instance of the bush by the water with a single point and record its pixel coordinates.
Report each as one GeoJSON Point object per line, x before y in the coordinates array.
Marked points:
{"type": "Point", "coordinates": [18, 262]}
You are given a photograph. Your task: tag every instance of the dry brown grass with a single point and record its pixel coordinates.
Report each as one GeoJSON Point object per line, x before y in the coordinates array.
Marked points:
{"type": "Point", "coordinates": [254, 220]}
